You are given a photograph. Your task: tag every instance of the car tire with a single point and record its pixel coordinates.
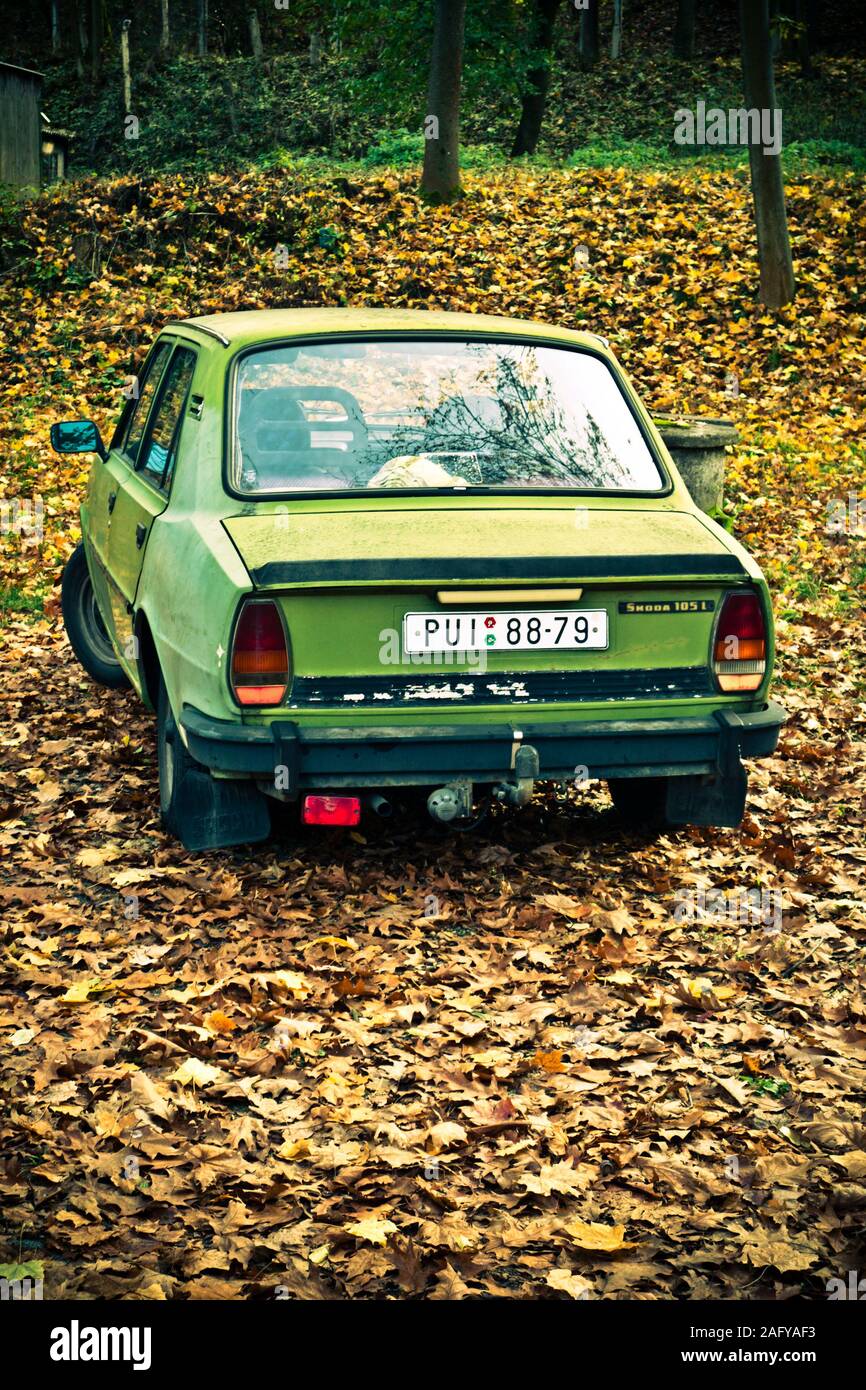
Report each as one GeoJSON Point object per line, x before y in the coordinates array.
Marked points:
{"type": "Point", "coordinates": [640, 802]}
{"type": "Point", "coordinates": [174, 761]}
{"type": "Point", "coordinates": [85, 628]}
{"type": "Point", "coordinates": [201, 811]}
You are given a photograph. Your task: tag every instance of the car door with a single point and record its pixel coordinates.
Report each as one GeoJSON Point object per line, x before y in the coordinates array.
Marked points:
{"type": "Point", "coordinates": [150, 451]}
{"type": "Point", "coordinates": [109, 475]}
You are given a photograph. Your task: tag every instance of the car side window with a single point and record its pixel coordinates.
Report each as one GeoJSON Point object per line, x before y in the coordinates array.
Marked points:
{"type": "Point", "coordinates": [158, 452]}
{"type": "Point", "coordinates": [138, 419]}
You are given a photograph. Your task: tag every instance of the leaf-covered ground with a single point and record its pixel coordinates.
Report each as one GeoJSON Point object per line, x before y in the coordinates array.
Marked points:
{"type": "Point", "coordinates": [403, 1064]}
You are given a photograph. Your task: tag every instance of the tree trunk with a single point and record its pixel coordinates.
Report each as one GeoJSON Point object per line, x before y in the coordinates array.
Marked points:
{"type": "Point", "coordinates": [684, 30]}
{"type": "Point", "coordinates": [55, 28]}
{"type": "Point", "coordinates": [95, 39]}
{"type": "Point", "coordinates": [588, 39]}
{"type": "Point", "coordinates": [775, 32]}
{"type": "Point", "coordinates": [440, 180]}
{"type": "Point", "coordinates": [124, 62]}
{"type": "Point", "coordinates": [616, 31]}
{"type": "Point", "coordinates": [315, 48]}
{"type": "Point", "coordinates": [231, 104]}
{"type": "Point", "coordinates": [79, 37]}
{"type": "Point", "coordinates": [537, 79]}
{"type": "Point", "coordinates": [802, 10]}
{"type": "Point", "coordinates": [201, 28]}
{"type": "Point", "coordinates": [797, 44]}
{"type": "Point", "coordinates": [255, 36]}
{"type": "Point", "coordinates": [768, 193]}
{"type": "Point", "coordinates": [165, 31]}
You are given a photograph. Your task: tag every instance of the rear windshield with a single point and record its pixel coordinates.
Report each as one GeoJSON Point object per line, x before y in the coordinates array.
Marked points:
{"type": "Point", "coordinates": [412, 414]}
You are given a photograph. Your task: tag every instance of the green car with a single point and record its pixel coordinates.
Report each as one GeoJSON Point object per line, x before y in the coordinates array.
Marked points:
{"type": "Point", "coordinates": [349, 556]}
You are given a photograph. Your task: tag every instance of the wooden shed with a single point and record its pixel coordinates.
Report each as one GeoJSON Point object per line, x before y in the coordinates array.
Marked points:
{"type": "Point", "coordinates": [55, 150]}
{"type": "Point", "coordinates": [20, 126]}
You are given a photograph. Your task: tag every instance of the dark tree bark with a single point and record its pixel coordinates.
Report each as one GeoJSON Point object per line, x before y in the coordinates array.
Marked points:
{"type": "Point", "coordinates": [79, 35]}
{"type": "Point", "coordinates": [440, 180]}
{"type": "Point", "coordinates": [537, 79]}
{"type": "Point", "coordinates": [616, 30]}
{"type": "Point", "coordinates": [797, 43]}
{"type": "Point", "coordinates": [588, 36]}
{"type": "Point", "coordinates": [231, 103]}
{"type": "Point", "coordinates": [768, 193]}
{"type": "Point", "coordinates": [255, 36]}
{"type": "Point", "coordinates": [201, 28]}
{"type": "Point", "coordinates": [55, 27]}
{"type": "Point", "coordinates": [684, 30]}
{"type": "Point", "coordinates": [165, 29]}
{"type": "Point", "coordinates": [775, 29]}
{"type": "Point", "coordinates": [96, 34]}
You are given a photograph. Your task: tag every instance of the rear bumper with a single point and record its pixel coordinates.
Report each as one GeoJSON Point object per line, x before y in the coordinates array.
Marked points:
{"type": "Point", "coordinates": [424, 755]}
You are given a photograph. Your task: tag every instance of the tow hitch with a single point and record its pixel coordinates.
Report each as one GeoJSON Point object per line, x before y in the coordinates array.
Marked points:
{"type": "Point", "coordinates": [524, 765]}
{"type": "Point", "coordinates": [453, 802]}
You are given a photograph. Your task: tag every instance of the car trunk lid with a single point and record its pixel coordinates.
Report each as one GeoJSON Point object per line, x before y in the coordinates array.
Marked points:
{"type": "Point", "coordinates": [381, 545]}
{"type": "Point", "coordinates": [345, 581]}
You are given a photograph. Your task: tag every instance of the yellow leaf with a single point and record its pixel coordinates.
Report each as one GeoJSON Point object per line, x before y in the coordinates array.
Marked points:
{"type": "Point", "coordinates": [592, 1235]}
{"type": "Point", "coordinates": [199, 1073]}
{"type": "Point", "coordinates": [569, 1283]}
{"type": "Point", "coordinates": [80, 992]}
{"type": "Point", "coordinates": [372, 1228]}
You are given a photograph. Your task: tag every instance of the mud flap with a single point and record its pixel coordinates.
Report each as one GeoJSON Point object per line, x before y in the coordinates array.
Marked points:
{"type": "Point", "coordinates": [215, 814]}
{"type": "Point", "coordinates": [719, 800]}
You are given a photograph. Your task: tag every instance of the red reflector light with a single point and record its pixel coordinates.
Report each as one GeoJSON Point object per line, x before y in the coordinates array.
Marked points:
{"type": "Point", "coordinates": [740, 647]}
{"type": "Point", "coordinates": [260, 655]}
{"type": "Point", "coordinates": [331, 810]}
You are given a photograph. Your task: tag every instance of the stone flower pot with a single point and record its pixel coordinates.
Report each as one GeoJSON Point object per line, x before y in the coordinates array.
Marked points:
{"type": "Point", "coordinates": [698, 449]}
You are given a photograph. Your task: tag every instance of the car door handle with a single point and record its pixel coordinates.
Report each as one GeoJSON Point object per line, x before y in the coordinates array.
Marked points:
{"type": "Point", "coordinates": [112, 498]}
{"type": "Point", "coordinates": [140, 534]}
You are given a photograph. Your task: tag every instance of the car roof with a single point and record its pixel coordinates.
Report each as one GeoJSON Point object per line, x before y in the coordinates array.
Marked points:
{"type": "Point", "coordinates": [250, 326]}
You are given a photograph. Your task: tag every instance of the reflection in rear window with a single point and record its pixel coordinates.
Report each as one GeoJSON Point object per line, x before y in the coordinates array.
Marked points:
{"type": "Point", "coordinates": [417, 413]}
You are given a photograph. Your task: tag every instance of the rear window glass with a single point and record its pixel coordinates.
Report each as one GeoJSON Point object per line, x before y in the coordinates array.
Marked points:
{"type": "Point", "coordinates": [413, 413]}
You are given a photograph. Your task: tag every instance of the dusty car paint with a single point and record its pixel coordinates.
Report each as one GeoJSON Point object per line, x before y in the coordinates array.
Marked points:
{"type": "Point", "coordinates": [346, 568]}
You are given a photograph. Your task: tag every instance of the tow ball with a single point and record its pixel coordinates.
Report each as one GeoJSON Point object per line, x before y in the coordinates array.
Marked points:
{"type": "Point", "coordinates": [454, 801]}
{"type": "Point", "coordinates": [525, 767]}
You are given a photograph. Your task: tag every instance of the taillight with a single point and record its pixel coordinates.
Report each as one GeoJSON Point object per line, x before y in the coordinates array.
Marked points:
{"type": "Point", "coordinates": [260, 655]}
{"type": "Point", "coordinates": [331, 810]}
{"type": "Point", "coordinates": [740, 646]}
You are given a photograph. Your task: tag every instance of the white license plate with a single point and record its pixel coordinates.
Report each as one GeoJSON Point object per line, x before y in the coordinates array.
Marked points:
{"type": "Point", "coordinates": [569, 629]}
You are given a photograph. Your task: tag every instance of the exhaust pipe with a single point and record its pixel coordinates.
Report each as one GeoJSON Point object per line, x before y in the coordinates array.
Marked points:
{"type": "Point", "coordinates": [380, 804]}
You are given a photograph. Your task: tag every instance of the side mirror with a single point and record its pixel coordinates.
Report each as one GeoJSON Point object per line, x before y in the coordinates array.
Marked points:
{"type": "Point", "coordinates": [77, 437]}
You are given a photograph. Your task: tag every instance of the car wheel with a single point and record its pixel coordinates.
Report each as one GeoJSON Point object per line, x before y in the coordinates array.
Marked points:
{"type": "Point", "coordinates": [174, 763]}
{"type": "Point", "coordinates": [640, 801]}
{"type": "Point", "coordinates": [87, 633]}
{"type": "Point", "coordinates": [196, 808]}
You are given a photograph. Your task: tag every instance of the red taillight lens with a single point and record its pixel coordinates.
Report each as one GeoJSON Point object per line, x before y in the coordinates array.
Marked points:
{"type": "Point", "coordinates": [331, 810]}
{"type": "Point", "coordinates": [740, 647]}
{"type": "Point", "coordinates": [260, 655]}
